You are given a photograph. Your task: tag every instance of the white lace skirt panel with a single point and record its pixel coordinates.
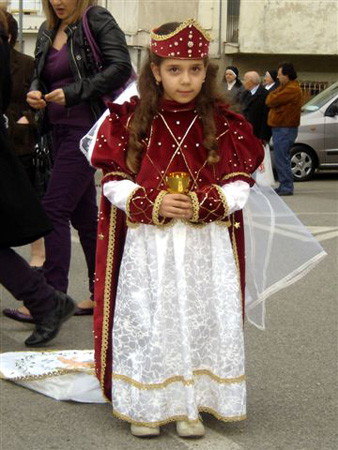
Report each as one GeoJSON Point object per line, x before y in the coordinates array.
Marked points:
{"type": "Point", "coordinates": [178, 332]}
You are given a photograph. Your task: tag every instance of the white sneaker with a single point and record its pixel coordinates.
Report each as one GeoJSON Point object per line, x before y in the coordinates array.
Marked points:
{"type": "Point", "coordinates": [143, 431]}
{"type": "Point", "coordinates": [191, 430]}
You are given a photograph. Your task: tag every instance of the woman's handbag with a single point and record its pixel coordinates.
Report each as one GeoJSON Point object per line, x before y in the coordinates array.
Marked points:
{"type": "Point", "coordinates": [43, 164]}
{"type": "Point", "coordinates": [111, 96]}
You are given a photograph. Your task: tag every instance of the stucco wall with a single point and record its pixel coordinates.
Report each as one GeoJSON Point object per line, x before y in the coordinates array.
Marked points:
{"type": "Point", "coordinates": [138, 17]}
{"type": "Point", "coordinates": [289, 27]}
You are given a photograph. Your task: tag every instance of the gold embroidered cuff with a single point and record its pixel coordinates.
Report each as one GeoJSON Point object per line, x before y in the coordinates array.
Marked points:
{"type": "Point", "coordinates": [128, 213]}
{"type": "Point", "coordinates": [156, 209]}
{"type": "Point", "coordinates": [223, 200]}
{"type": "Point", "coordinates": [195, 206]}
{"type": "Point", "coordinates": [236, 174]}
{"type": "Point", "coordinates": [132, 224]}
{"type": "Point", "coordinates": [117, 174]}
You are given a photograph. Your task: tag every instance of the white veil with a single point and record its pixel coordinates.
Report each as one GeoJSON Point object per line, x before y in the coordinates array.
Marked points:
{"type": "Point", "coordinates": [279, 250]}
{"type": "Point", "coordinates": [88, 141]}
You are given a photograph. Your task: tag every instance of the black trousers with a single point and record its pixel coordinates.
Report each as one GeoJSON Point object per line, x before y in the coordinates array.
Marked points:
{"type": "Point", "coordinates": [26, 284]}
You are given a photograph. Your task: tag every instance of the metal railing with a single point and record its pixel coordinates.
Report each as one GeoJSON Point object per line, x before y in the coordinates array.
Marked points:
{"type": "Point", "coordinates": [233, 8]}
{"type": "Point", "coordinates": [312, 88]}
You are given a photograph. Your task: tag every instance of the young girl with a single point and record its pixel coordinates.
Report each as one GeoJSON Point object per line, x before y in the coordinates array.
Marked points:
{"type": "Point", "coordinates": [170, 269]}
{"type": "Point", "coordinates": [172, 346]}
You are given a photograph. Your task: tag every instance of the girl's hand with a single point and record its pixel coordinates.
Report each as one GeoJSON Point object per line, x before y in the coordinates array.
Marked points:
{"type": "Point", "coordinates": [35, 100]}
{"type": "Point", "coordinates": [176, 206]}
{"type": "Point", "coordinates": [56, 96]}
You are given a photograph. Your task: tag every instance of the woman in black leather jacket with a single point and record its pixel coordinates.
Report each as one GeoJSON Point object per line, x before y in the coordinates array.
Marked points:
{"type": "Point", "coordinates": [88, 84]}
{"type": "Point", "coordinates": [69, 88]}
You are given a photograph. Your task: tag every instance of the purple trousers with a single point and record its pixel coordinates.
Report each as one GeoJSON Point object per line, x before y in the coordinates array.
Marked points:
{"type": "Point", "coordinates": [70, 199]}
{"type": "Point", "coordinates": [25, 283]}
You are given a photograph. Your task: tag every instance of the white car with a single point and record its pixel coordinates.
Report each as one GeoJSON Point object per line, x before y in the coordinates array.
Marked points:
{"type": "Point", "coordinates": [316, 146]}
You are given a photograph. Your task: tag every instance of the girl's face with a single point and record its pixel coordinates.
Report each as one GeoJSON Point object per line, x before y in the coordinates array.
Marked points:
{"type": "Point", "coordinates": [230, 76]}
{"type": "Point", "coordinates": [64, 9]}
{"type": "Point", "coordinates": [182, 79]}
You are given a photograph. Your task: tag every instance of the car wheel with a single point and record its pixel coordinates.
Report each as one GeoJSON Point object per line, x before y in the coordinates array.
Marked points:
{"type": "Point", "coordinates": [303, 163]}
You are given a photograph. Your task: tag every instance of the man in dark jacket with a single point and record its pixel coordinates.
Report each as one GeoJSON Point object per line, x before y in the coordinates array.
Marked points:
{"type": "Point", "coordinates": [22, 221]}
{"type": "Point", "coordinates": [254, 107]}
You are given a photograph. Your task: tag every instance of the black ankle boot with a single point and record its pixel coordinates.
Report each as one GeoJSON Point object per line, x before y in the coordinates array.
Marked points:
{"type": "Point", "coordinates": [47, 328]}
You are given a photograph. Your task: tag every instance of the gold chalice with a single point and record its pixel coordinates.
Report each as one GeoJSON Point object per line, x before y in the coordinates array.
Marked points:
{"type": "Point", "coordinates": [178, 182]}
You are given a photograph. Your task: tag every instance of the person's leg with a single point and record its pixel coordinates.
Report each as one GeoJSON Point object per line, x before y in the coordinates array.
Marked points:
{"type": "Point", "coordinates": [84, 220]}
{"type": "Point", "coordinates": [25, 283]}
{"type": "Point", "coordinates": [283, 139]}
{"type": "Point", "coordinates": [70, 179]}
{"type": "Point", "coordinates": [49, 307]}
{"type": "Point", "coordinates": [37, 256]}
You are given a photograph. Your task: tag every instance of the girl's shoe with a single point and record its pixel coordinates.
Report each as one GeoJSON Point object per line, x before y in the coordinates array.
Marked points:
{"type": "Point", "coordinates": [190, 430]}
{"type": "Point", "coordinates": [143, 431]}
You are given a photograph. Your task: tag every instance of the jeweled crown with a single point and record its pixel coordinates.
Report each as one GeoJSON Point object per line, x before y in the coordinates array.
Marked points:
{"type": "Point", "coordinates": [189, 40]}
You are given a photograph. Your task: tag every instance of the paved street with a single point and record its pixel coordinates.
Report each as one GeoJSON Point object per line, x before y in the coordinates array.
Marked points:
{"type": "Point", "coordinates": [291, 367]}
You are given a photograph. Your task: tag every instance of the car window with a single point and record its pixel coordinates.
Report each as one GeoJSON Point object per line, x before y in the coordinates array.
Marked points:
{"type": "Point", "coordinates": [332, 110]}
{"type": "Point", "coordinates": [321, 99]}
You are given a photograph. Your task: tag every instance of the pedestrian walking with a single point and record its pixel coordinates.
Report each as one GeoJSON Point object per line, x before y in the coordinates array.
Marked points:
{"type": "Point", "coordinates": [23, 221]}
{"type": "Point", "coordinates": [284, 117]}
{"type": "Point", "coordinates": [175, 345]}
{"type": "Point", "coordinates": [69, 88]}
{"type": "Point", "coordinates": [21, 121]}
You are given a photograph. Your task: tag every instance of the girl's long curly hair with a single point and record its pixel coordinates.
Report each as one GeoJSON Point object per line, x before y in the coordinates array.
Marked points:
{"type": "Point", "coordinates": [150, 93]}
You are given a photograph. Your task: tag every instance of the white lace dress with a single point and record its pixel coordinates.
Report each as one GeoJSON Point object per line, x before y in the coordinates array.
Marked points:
{"type": "Point", "coordinates": [178, 344]}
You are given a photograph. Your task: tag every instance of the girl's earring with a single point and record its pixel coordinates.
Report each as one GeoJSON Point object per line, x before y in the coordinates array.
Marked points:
{"type": "Point", "coordinates": [157, 83]}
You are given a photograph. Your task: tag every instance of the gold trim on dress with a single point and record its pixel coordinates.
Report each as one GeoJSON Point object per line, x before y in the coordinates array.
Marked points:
{"type": "Point", "coordinates": [218, 416]}
{"type": "Point", "coordinates": [129, 199]}
{"type": "Point", "coordinates": [132, 224]}
{"type": "Point", "coordinates": [223, 200]}
{"type": "Point", "coordinates": [194, 224]}
{"type": "Point", "coordinates": [195, 206]}
{"type": "Point", "coordinates": [178, 379]}
{"type": "Point", "coordinates": [235, 174]}
{"type": "Point", "coordinates": [119, 174]}
{"type": "Point", "coordinates": [107, 293]}
{"type": "Point", "coordinates": [226, 224]}
{"type": "Point", "coordinates": [185, 418]}
{"type": "Point", "coordinates": [235, 252]}
{"type": "Point", "coordinates": [156, 209]}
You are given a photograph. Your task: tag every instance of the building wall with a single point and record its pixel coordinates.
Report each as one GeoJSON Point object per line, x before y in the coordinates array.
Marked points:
{"type": "Point", "coordinates": [138, 17]}
{"type": "Point", "coordinates": [270, 31]}
{"type": "Point", "coordinates": [289, 27]}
